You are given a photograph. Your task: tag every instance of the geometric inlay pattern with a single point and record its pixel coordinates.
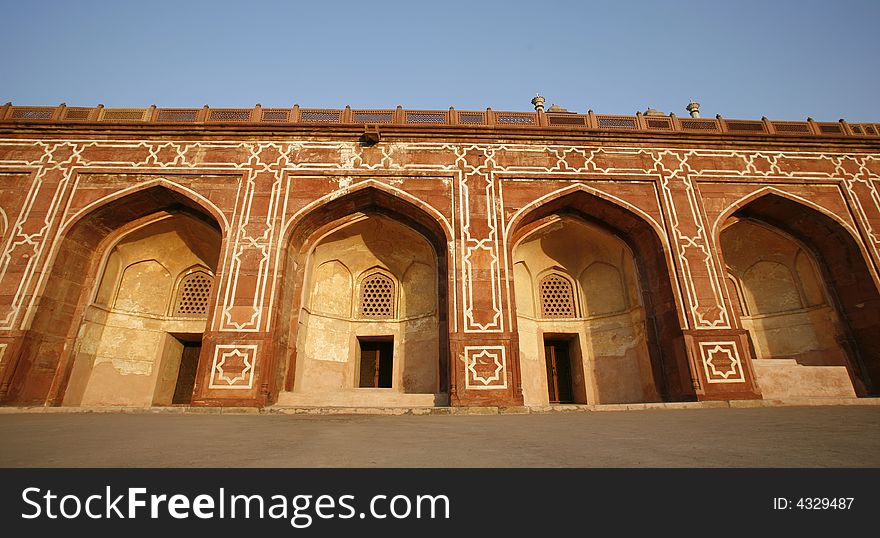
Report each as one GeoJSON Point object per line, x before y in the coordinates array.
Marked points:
{"type": "Point", "coordinates": [480, 167]}
{"type": "Point", "coordinates": [480, 237]}
{"type": "Point", "coordinates": [721, 362]}
{"type": "Point", "coordinates": [233, 366]}
{"type": "Point", "coordinates": [193, 294]}
{"type": "Point", "coordinates": [486, 367]}
{"type": "Point", "coordinates": [557, 299]}
{"type": "Point", "coordinates": [377, 297]}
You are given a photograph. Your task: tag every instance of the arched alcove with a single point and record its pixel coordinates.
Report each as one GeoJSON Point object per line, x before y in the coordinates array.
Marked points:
{"type": "Point", "coordinates": [588, 342]}
{"type": "Point", "coordinates": [101, 331]}
{"type": "Point", "coordinates": [626, 277]}
{"type": "Point", "coordinates": [142, 349]}
{"type": "Point", "coordinates": [365, 280]}
{"type": "Point", "coordinates": [807, 299]}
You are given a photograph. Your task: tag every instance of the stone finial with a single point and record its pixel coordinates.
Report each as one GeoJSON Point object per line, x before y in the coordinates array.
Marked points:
{"type": "Point", "coordinates": [694, 108]}
{"type": "Point", "coordinates": [538, 101]}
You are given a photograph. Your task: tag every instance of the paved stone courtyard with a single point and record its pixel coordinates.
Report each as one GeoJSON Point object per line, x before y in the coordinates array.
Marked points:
{"type": "Point", "coordinates": [846, 436]}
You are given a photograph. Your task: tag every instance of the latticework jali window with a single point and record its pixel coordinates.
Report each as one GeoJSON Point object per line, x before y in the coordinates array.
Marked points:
{"type": "Point", "coordinates": [377, 297]}
{"type": "Point", "coordinates": [557, 297]}
{"type": "Point", "coordinates": [193, 295]}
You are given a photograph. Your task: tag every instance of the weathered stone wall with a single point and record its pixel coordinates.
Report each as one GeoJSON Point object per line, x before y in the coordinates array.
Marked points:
{"type": "Point", "coordinates": [793, 323]}
{"type": "Point", "coordinates": [125, 353]}
{"type": "Point", "coordinates": [331, 321]}
{"type": "Point", "coordinates": [471, 193]}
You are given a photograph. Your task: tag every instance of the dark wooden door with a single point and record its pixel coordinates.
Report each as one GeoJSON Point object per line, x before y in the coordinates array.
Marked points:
{"type": "Point", "coordinates": [369, 365]}
{"type": "Point", "coordinates": [186, 375]}
{"type": "Point", "coordinates": [559, 384]}
{"type": "Point", "coordinates": [376, 363]}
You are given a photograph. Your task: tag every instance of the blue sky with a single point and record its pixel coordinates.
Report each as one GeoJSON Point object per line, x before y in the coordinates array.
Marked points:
{"type": "Point", "coordinates": [741, 59]}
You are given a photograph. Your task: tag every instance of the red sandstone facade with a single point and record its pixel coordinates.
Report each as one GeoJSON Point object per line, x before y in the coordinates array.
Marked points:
{"type": "Point", "coordinates": [271, 181]}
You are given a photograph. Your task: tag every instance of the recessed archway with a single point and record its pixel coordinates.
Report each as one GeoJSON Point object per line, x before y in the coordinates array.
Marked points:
{"type": "Point", "coordinates": [806, 295]}
{"type": "Point", "coordinates": [621, 332]}
{"type": "Point", "coordinates": [588, 308]}
{"type": "Point", "coordinates": [364, 291]}
{"type": "Point", "coordinates": [121, 263]}
{"type": "Point", "coordinates": [140, 337]}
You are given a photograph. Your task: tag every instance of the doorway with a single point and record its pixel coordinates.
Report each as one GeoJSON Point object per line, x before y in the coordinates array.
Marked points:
{"type": "Point", "coordinates": [376, 363]}
{"type": "Point", "coordinates": [186, 375]}
{"type": "Point", "coordinates": [559, 375]}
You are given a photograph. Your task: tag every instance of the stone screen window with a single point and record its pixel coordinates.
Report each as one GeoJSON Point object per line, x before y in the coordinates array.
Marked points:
{"type": "Point", "coordinates": [193, 295]}
{"type": "Point", "coordinates": [377, 297]}
{"type": "Point", "coordinates": [557, 297]}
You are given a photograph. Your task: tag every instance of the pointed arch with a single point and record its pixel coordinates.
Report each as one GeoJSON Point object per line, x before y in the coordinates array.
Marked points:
{"type": "Point", "coordinates": [130, 298]}
{"type": "Point", "coordinates": [344, 207]}
{"type": "Point", "coordinates": [525, 295]}
{"type": "Point", "coordinates": [773, 191]}
{"type": "Point", "coordinates": [72, 270]}
{"type": "Point", "coordinates": [781, 297]}
{"type": "Point", "coordinates": [352, 192]}
{"type": "Point", "coordinates": [309, 226]}
{"type": "Point", "coordinates": [122, 233]}
{"type": "Point", "coordinates": [203, 204]}
{"type": "Point", "coordinates": [643, 236]}
{"type": "Point", "coordinates": [607, 211]}
{"type": "Point", "coordinates": [514, 221]}
{"type": "Point", "coordinates": [847, 270]}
